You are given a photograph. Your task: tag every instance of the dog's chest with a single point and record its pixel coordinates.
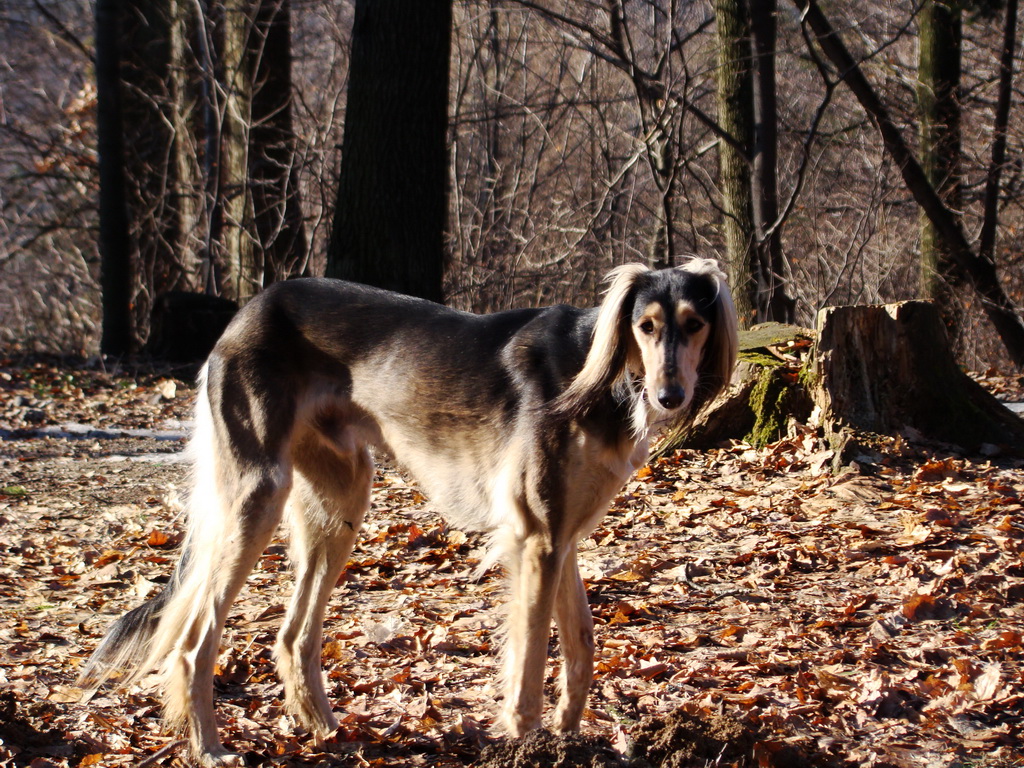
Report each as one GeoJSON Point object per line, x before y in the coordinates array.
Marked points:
{"type": "Point", "coordinates": [596, 471]}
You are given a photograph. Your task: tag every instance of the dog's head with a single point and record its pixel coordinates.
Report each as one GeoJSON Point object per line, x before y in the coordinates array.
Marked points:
{"type": "Point", "coordinates": [672, 330]}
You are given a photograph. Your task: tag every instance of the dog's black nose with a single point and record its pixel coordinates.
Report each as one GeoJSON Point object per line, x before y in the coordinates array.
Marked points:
{"type": "Point", "coordinates": [671, 397]}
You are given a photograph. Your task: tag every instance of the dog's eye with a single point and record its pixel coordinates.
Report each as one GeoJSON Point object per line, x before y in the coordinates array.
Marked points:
{"type": "Point", "coordinates": [693, 325]}
{"type": "Point", "coordinates": [647, 327]}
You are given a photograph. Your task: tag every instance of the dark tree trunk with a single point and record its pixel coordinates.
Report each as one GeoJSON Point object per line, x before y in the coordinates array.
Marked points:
{"type": "Point", "coordinates": [736, 117]}
{"type": "Point", "coordinates": [159, 171]}
{"type": "Point", "coordinates": [980, 272]}
{"type": "Point", "coordinates": [150, 73]}
{"type": "Point", "coordinates": [391, 210]}
{"type": "Point", "coordinates": [114, 241]}
{"type": "Point", "coordinates": [212, 264]}
{"type": "Point", "coordinates": [154, 193]}
{"type": "Point", "coordinates": [145, 56]}
{"type": "Point", "coordinates": [273, 164]}
{"type": "Point", "coordinates": [938, 97]}
{"type": "Point", "coordinates": [188, 179]}
{"type": "Point", "coordinates": [773, 302]}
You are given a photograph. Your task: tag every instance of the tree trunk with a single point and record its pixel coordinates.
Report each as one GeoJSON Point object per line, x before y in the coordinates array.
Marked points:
{"type": "Point", "coordinates": [735, 116]}
{"type": "Point", "coordinates": [495, 198]}
{"type": "Point", "coordinates": [990, 219]}
{"type": "Point", "coordinates": [273, 163]}
{"type": "Point", "coordinates": [151, 73]}
{"type": "Point", "coordinates": [773, 302]}
{"type": "Point", "coordinates": [185, 149]}
{"type": "Point", "coordinates": [392, 207]}
{"type": "Point", "coordinates": [207, 49]}
{"type": "Point", "coordinates": [241, 257]}
{"type": "Point", "coordinates": [980, 272]}
{"type": "Point", "coordinates": [938, 97]}
{"type": "Point", "coordinates": [114, 241]}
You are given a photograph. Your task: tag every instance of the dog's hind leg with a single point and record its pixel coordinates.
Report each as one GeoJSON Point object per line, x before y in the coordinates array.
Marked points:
{"type": "Point", "coordinates": [240, 484]}
{"type": "Point", "coordinates": [534, 570]}
{"type": "Point", "coordinates": [576, 638]}
{"type": "Point", "coordinates": [200, 607]}
{"type": "Point", "coordinates": [332, 493]}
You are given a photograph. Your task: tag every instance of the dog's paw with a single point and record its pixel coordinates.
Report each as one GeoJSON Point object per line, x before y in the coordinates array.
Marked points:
{"type": "Point", "coordinates": [565, 722]}
{"type": "Point", "coordinates": [221, 758]}
{"type": "Point", "coordinates": [316, 718]}
{"type": "Point", "coordinates": [517, 724]}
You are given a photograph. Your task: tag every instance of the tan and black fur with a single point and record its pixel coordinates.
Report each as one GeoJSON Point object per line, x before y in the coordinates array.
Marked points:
{"type": "Point", "coordinates": [522, 423]}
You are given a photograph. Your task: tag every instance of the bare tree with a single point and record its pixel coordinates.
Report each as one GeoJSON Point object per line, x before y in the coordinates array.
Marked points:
{"type": "Point", "coordinates": [157, 143]}
{"type": "Point", "coordinates": [650, 44]}
{"type": "Point", "coordinates": [581, 135]}
{"type": "Point", "coordinates": [994, 173]}
{"type": "Point", "coordinates": [237, 243]}
{"type": "Point", "coordinates": [273, 155]}
{"type": "Point", "coordinates": [774, 301]}
{"type": "Point", "coordinates": [735, 77]}
{"type": "Point", "coordinates": [938, 94]}
{"type": "Point", "coordinates": [982, 274]}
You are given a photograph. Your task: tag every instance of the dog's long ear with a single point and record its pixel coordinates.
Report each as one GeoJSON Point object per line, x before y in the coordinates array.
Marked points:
{"type": "Point", "coordinates": [609, 349]}
{"type": "Point", "coordinates": [721, 348]}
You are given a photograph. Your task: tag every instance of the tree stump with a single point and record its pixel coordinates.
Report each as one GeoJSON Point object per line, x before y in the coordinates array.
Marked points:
{"type": "Point", "coordinates": [884, 368]}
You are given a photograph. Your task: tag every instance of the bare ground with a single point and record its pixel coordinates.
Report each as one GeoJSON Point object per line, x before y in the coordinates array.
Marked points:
{"type": "Point", "coordinates": [752, 609]}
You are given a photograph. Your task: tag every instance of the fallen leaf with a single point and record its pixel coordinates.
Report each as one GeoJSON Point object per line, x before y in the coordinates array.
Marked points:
{"type": "Point", "coordinates": [988, 684]}
{"type": "Point", "coordinates": [158, 539]}
{"type": "Point", "coordinates": [1008, 638]}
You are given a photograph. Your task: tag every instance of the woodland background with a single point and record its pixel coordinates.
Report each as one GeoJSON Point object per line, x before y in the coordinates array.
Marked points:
{"type": "Point", "coordinates": [785, 603]}
{"type": "Point", "coordinates": [579, 135]}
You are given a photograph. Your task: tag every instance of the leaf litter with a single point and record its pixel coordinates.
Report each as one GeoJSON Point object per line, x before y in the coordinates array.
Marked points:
{"type": "Point", "coordinates": [751, 609]}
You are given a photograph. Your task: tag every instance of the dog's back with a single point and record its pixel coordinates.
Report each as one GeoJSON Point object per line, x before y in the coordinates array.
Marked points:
{"type": "Point", "coordinates": [447, 393]}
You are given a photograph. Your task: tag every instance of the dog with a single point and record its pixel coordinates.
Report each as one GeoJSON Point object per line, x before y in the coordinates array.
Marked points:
{"type": "Point", "coordinates": [523, 423]}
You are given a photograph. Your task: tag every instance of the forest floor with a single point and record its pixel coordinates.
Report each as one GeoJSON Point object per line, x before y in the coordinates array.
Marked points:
{"type": "Point", "coordinates": [752, 608]}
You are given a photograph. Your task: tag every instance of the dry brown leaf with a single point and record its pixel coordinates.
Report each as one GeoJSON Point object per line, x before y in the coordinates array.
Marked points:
{"type": "Point", "coordinates": [937, 471]}
{"type": "Point", "coordinates": [158, 539]}
{"type": "Point", "coordinates": [988, 684]}
{"type": "Point", "coordinates": [1008, 638]}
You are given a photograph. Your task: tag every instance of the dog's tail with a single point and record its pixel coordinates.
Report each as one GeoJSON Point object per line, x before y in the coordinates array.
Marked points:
{"type": "Point", "coordinates": [128, 643]}
{"type": "Point", "coordinates": [143, 637]}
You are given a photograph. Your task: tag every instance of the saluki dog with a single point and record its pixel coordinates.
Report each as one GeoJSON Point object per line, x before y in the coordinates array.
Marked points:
{"type": "Point", "coordinates": [523, 423]}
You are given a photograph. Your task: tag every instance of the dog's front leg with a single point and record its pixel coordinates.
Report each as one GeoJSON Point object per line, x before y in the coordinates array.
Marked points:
{"type": "Point", "coordinates": [534, 571]}
{"type": "Point", "coordinates": [576, 639]}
